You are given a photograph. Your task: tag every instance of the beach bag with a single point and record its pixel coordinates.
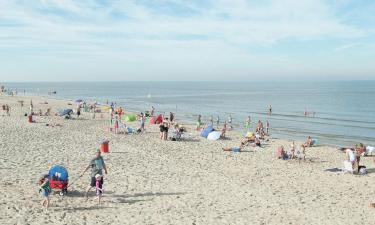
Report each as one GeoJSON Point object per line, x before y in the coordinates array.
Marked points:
{"type": "Point", "coordinates": [362, 170]}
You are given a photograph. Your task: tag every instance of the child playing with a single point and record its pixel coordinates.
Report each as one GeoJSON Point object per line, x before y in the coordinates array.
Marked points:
{"type": "Point", "coordinates": [116, 125]}
{"type": "Point", "coordinates": [45, 189]}
{"type": "Point", "coordinates": [293, 149]}
{"type": "Point", "coordinates": [303, 149]}
{"type": "Point", "coordinates": [99, 187]}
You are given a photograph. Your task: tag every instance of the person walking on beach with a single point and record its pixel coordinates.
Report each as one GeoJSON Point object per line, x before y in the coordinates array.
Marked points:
{"type": "Point", "coordinates": [99, 187]}
{"type": "Point", "coordinates": [267, 127]}
{"type": "Point", "coordinates": [45, 189]}
{"type": "Point", "coordinates": [97, 165]}
{"type": "Point", "coordinates": [217, 121]}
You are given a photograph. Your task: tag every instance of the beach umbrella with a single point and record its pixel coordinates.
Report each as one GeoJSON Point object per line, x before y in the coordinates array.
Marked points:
{"type": "Point", "coordinates": [64, 112]}
{"type": "Point", "coordinates": [214, 135]}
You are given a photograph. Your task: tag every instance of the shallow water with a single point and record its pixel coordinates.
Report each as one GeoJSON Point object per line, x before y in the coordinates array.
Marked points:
{"type": "Point", "coordinates": [343, 110]}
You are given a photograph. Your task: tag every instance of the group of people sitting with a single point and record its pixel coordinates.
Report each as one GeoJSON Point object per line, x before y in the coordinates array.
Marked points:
{"type": "Point", "coordinates": [282, 153]}
{"type": "Point", "coordinates": [353, 158]}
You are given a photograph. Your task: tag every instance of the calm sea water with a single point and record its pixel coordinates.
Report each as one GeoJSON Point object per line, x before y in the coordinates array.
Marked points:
{"type": "Point", "coordinates": [344, 111]}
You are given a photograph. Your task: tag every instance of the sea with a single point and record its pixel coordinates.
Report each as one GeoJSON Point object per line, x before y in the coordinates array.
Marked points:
{"type": "Point", "coordinates": [339, 113]}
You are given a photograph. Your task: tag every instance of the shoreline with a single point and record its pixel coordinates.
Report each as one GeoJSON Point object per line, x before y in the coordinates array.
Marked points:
{"type": "Point", "coordinates": [279, 134]}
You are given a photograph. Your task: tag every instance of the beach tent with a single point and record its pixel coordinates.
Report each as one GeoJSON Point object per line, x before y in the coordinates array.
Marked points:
{"type": "Point", "coordinates": [214, 135]}
{"type": "Point", "coordinates": [64, 112]}
{"type": "Point", "coordinates": [159, 119]}
{"type": "Point", "coordinates": [58, 173]}
{"type": "Point", "coordinates": [153, 120]}
{"type": "Point", "coordinates": [130, 118]}
{"type": "Point", "coordinates": [206, 131]}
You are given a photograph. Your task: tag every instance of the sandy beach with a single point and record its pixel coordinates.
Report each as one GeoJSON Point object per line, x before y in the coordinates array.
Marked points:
{"type": "Point", "coordinates": [151, 181]}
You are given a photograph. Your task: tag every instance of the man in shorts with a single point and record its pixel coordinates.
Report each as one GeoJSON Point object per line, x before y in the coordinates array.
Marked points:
{"type": "Point", "coordinates": [97, 165]}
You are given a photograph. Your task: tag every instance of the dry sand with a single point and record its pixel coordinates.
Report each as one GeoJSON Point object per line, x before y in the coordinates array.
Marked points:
{"type": "Point", "coordinates": [163, 182]}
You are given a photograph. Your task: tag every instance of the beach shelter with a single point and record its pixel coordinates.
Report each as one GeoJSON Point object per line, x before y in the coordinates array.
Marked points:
{"type": "Point", "coordinates": [206, 131]}
{"type": "Point", "coordinates": [214, 135]}
{"type": "Point", "coordinates": [159, 119]}
{"type": "Point", "coordinates": [130, 118]}
{"type": "Point", "coordinates": [64, 112]}
{"type": "Point", "coordinates": [153, 120]}
{"type": "Point", "coordinates": [58, 173]}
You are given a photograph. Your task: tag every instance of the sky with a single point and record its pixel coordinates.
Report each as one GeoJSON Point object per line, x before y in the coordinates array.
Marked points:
{"type": "Point", "coordinates": [192, 40]}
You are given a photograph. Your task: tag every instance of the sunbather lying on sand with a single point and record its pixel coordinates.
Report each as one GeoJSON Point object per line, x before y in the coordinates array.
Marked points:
{"type": "Point", "coordinates": [281, 153]}
{"type": "Point", "coordinates": [234, 149]}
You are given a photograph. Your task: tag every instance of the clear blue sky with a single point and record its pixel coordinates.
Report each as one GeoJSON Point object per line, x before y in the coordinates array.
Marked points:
{"type": "Point", "coordinates": [65, 40]}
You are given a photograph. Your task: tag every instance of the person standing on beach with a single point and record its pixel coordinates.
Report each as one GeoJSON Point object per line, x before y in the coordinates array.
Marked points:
{"type": "Point", "coordinates": [93, 110]}
{"type": "Point", "coordinates": [230, 122]}
{"type": "Point", "coordinates": [142, 119]}
{"type": "Point", "coordinates": [78, 110]}
{"type": "Point", "coordinates": [199, 122]}
{"type": "Point", "coordinates": [31, 107]}
{"type": "Point", "coordinates": [120, 111]}
{"type": "Point", "coordinates": [211, 120]}
{"type": "Point", "coordinates": [217, 121]}
{"type": "Point", "coordinates": [7, 107]}
{"type": "Point", "coordinates": [111, 115]}
{"type": "Point", "coordinates": [248, 123]}
{"type": "Point", "coordinates": [97, 165]}
{"type": "Point", "coordinates": [152, 111]}
{"type": "Point", "coordinates": [267, 127]}
{"type": "Point", "coordinates": [171, 117]}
